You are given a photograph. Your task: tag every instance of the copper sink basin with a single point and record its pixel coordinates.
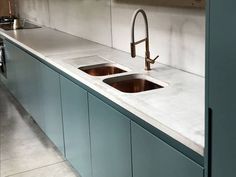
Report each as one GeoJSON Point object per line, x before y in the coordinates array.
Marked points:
{"type": "Point", "coordinates": [102, 69]}
{"type": "Point", "coordinates": [133, 83]}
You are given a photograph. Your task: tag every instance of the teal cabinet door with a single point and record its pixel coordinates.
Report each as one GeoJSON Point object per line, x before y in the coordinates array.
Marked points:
{"type": "Point", "coordinates": [17, 69]}
{"type": "Point", "coordinates": [51, 106]}
{"type": "Point", "coordinates": [18, 64]}
{"type": "Point", "coordinates": [76, 126]}
{"type": "Point", "coordinates": [33, 90]}
{"type": "Point", "coordinates": [11, 56]}
{"type": "Point", "coordinates": [24, 81]}
{"type": "Point", "coordinates": [110, 140]}
{"type": "Point", "coordinates": [25, 75]}
{"type": "Point", "coordinates": [154, 158]}
{"type": "Point", "coordinates": [221, 89]}
{"type": "Point", "coordinates": [37, 88]}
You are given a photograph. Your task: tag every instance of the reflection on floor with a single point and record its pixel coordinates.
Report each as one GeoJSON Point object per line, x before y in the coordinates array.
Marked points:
{"type": "Point", "coordinates": [25, 151]}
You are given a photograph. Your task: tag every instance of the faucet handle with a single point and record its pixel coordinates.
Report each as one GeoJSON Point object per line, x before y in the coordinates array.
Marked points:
{"type": "Point", "coordinates": [133, 49]}
{"type": "Point", "coordinates": [152, 61]}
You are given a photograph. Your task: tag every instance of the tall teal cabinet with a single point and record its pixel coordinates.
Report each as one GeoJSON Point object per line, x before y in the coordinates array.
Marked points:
{"type": "Point", "coordinates": [110, 140]}
{"type": "Point", "coordinates": [153, 157]}
{"type": "Point", "coordinates": [221, 89]}
{"type": "Point", "coordinates": [76, 126]}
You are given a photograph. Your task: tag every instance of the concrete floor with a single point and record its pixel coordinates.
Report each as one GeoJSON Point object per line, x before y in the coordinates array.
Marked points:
{"type": "Point", "coordinates": [25, 151]}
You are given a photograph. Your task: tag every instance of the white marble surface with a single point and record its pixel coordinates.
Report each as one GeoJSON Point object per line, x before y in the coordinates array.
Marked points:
{"type": "Point", "coordinates": [46, 41]}
{"type": "Point", "coordinates": [177, 109]}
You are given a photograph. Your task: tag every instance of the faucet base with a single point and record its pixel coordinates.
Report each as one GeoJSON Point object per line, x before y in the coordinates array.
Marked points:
{"type": "Point", "coordinates": [147, 66]}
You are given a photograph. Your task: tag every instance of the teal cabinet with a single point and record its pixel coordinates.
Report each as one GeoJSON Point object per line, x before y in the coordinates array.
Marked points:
{"type": "Point", "coordinates": [21, 73]}
{"type": "Point", "coordinates": [151, 157]}
{"type": "Point", "coordinates": [51, 106]}
{"type": "Point", "coordinates": [76, 126]}
{"type": "Point", "coordinates": [34, 91]}
{"type": "Point", "coordinates": [221, 89]}
{"type": "Point", "coordinates": [17, 72]}
{"type": "Point", "coordinates": [11, 56]}
{"type": "Point", "coordinates": [37, 88]}
{"type": "Point", "coordinates": [110, 140]}
{"type": "Point", "coordinates": [27, 81]}
{"type": "Point", "coordinates": [24, 80]}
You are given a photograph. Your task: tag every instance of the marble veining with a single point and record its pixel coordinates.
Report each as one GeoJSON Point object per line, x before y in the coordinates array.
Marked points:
{"type": "Point", "coordinates": [177, 110]}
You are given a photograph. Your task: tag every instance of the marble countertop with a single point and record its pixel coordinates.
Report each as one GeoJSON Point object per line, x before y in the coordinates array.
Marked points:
{"type": "Point", "coordinates": [177, 109]}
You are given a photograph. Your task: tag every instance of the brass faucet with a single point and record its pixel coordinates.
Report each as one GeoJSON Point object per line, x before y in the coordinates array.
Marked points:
{"type": "Point", "coordinates": [133, 44]}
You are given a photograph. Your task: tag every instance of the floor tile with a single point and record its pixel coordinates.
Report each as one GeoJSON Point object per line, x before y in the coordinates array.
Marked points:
{"type": "Point", "coordinates": [27, 147]}
{"type": "Point", "coordinates": [25, 163]}
{"type": "Point", "coordinates": [57, 170]}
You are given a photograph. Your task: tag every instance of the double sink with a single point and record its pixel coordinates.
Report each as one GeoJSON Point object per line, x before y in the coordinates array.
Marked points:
{"type": "Point", "coordinates": [130, 83]}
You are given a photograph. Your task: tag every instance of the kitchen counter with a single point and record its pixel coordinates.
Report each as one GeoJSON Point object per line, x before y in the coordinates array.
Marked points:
{"type": "Point", "coordinates": [177, 109]}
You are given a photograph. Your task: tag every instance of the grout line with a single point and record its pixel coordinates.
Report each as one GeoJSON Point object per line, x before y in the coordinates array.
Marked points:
{"type": "Point", "coordinates": [49, 16]}
{"type": "Point", "coordinates": [111, 24]}
{"type": "Point", "coordinates": [35, 169]}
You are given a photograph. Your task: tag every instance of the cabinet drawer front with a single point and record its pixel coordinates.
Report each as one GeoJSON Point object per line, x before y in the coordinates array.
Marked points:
{"type": "Point", "coordinates": [154, 158]}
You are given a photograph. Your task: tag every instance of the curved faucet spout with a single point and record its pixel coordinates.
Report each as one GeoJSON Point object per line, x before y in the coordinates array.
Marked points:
{"type": "Point", "coordinates": [133, 23]}
{"type": "Point", "coordinates": [133, 43]}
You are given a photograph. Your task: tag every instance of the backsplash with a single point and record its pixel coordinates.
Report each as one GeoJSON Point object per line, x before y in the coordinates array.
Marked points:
{"type": "Point", "coordinates": [34, 10]}
{"type": "Point", "coordinates": [89, 19]}
{"type": "Point", "coordinates": [176, 34]}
